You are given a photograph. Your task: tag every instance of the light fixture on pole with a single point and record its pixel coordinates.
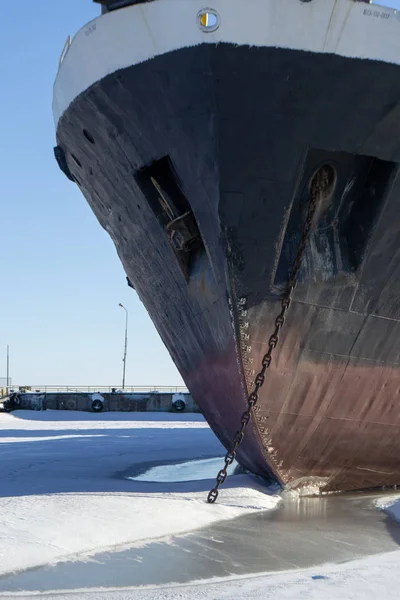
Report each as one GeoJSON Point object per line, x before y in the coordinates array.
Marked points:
{"type": "Point", "coordinates": [126, 344]}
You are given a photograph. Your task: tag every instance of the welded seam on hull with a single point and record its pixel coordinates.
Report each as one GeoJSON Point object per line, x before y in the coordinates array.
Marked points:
{"type": "Point", "coordinates": [234, 311]}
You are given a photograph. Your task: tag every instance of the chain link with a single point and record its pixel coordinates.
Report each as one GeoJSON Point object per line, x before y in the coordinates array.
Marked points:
{"type": "Point", "coordinates": [321, 186]}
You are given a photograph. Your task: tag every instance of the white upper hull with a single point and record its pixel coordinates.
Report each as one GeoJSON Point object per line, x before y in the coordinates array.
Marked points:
{"type": "Point", "coordinates": [132, 35]}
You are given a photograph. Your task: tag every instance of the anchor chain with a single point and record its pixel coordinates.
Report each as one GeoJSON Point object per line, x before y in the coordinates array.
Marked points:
{"type": "Point", "coordinates": [321, 187]}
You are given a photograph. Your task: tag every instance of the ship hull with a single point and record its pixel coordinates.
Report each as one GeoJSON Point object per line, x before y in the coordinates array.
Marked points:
{"type": "Point", "coordinates": [239, 131]}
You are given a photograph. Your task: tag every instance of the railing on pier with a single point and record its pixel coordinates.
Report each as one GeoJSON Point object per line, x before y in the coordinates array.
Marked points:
{"type": "Point", "coordinates": [101, 388]}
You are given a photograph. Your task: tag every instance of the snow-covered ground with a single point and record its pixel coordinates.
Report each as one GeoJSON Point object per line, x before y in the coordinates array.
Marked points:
{"type": "Point", "coordinates": [64, 494]}
{"type": "Point", "coordinates": [63, 491]}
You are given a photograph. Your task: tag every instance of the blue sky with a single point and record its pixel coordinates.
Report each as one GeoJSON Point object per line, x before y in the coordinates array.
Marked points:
{"type": "Point", "coordinates": [388, 3]}
{"type": "Point", "coordinates": [61, 278]}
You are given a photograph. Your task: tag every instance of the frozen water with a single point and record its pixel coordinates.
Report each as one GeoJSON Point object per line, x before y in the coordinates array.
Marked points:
{"type": "Point", "coordinates": [193, 470]}
{"type": "Point", "coordinates": [63, 498]}
{"type": "Point", "coordinates": [63, 495]}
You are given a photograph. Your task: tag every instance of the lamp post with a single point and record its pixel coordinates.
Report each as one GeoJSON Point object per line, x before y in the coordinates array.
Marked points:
{"type": "Point", "coordinates": [126, 344]}
{"type": "Point", "coordinates": [8, 369]}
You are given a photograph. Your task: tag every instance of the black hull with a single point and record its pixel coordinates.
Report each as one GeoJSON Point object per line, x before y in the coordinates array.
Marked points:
{"type": "Point", "coordinates": [244, 129]}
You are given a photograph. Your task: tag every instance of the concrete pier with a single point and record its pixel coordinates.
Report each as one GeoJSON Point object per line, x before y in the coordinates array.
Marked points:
{"type": "Point", "coordinates": [109, 401]}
